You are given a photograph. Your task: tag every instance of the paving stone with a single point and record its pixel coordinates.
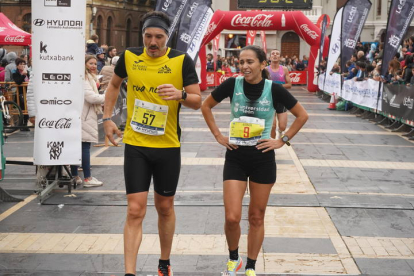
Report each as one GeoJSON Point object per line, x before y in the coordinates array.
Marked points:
{"type": "Point", "coordinates": [363, 201]}
{"type": "Point", "coordinates": [298, 245]}
{"type": "Point", "coordinates": [384, 267]}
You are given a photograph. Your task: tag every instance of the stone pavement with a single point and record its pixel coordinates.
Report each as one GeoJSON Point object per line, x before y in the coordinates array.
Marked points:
{"type": "Point", "coordinates": [343, 204]}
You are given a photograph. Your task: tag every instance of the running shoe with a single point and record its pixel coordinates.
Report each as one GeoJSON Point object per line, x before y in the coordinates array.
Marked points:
{"type": "Point", "coordinates": [92, 182]}
{"type": "Point", "coordinates": [250, 272]}
{"type": "Point", "coordinates": [233, 267]}
{"type": "Point", "coordinates": [165, 271]}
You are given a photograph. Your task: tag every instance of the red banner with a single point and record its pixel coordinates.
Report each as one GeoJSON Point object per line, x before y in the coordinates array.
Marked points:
{"type": "Point", "coordinates": [217, 78]}
{"type": "Point", "coordinates": [250, 37]}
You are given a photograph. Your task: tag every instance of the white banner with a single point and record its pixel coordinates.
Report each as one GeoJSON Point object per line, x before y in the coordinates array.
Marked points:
{"type": "Point", "coordinates": [363, 93]}
{"type": "Point", "coordinates": [335, 44]}
{"type": "Point", "coordinates": [58, 49]}
{"type": "Point", "coordinates": [333, 84]}
{"type": "Point", "coordinates": [321, 81]}
{"type": "Point", "coordinates": [194, 46]}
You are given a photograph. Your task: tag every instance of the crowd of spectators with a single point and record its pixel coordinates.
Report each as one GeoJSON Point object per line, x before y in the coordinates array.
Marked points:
{"type": "Point", "coordinates": [366, 63]}
{"type": "Point", "coordinates": [231, 64]}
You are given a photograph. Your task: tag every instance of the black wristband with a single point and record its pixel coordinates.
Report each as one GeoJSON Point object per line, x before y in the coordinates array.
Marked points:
{"type": "Point", "coordinates": [106, 119]}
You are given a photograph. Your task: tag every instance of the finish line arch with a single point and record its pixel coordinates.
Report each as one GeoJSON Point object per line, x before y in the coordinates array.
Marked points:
{"type": "Point", "coordinates": [266, 20]}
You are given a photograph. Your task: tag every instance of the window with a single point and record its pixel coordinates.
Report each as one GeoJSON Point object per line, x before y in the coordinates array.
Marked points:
{"type": "Point", "coordinates": [99, 27]}
{"type": "Point", "coordinates": [128, 33]}
{"type": "Point", "coordinates": [379, 7]}
{"type": "Point", "coordinates": [109, 31]}
{"type": "Point", "coordinates": [27, 23]}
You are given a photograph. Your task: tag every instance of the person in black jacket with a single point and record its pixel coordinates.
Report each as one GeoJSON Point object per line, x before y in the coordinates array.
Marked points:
{"type": "Point", "coordinates": [19, 76]}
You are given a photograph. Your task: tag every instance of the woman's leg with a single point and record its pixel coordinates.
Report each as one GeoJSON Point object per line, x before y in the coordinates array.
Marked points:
{"type": "Point", "coordinates": [74, 170]}
{"type": "Point", "coordinates": [259, 196]}
{"type": "Point", "coordinates": [233, 192]}
{"type": "Point", "coordinates": [86, 159]}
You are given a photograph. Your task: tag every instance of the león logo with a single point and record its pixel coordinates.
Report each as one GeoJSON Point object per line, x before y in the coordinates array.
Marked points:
{"type": "Point", "coordinates": [56, 78]}
{"type": "Point", "coordinates": [56, 148]}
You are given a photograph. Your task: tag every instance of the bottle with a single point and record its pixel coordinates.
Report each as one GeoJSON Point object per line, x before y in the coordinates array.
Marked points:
{"type": "Point", "coordinates": [283, 20]}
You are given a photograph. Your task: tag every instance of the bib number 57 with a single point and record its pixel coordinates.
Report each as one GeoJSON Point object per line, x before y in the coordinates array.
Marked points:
{"type": "Point", "coordinates": [148, 118]}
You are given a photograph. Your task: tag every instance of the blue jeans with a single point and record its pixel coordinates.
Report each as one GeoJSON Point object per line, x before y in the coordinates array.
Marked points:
{"type": "Point", "coordinates": [86, 161]}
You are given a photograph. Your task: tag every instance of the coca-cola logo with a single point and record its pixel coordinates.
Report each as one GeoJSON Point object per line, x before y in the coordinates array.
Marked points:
{"type": "Point", "coordinates": [211, 27]}
{"type": "Point", "coordinates": [210, 78]}
{"type": "Point", "coordinates": [309, 32]}
{"type": "Point", "coordinates": [260, 20]}
{"type": "Point", "coordinates": [295, 77]}
{"type": "Point", "coordinates": [62, 123]}
{"type": "Point", "coordinates": [17, 38]}
{"type": "Point", "coordinates": [225, 77]}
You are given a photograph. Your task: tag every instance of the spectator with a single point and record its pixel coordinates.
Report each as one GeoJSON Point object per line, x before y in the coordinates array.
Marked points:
{"type": "Point", "coordinates": [402, 63]}
{"type": "Point", "coordinates": [359, 46]}
{"type": "Point", "coordinates": [3, 53]}
{"type": "Point", "coordinates": [92, 45]}
{"type": "Point", "coordinates": [100, 56]}
{"type": "Point", "coordinates": [107, 73]}
{"type": "Point", "coordinates": [210, 63]}
{"type": "Point", "coordinates": [20, 75]}
{"type": "Point", "coordinates": [300, 66]}
{"type": "Point", "coordinates": [407, 69]}
{"type": "Point", "coordinates": [110, 55]}
{"type": "Point", "coordinates": [232, 67]}
{"type": "Point", "coordinates": [402, 53]}
{"type": "Point", "coordinates": [225, 67]}
{"type": "Point", "coordinates": [305, 61]}
{"type": "Point", "coordinates": [411, 44]}
{"type": "Point", "coordinates": [362, 73]}
{"type": "Point", "coordinates": [370, 71]}
{"type": "Point", "coordinates": [393, 68]}
{"type": "Point", "coordinates": [350, 72]}
{"type": "Point", "coordinates": [3, 65]}
{"type": "Point", "coordinates": [11, 58]}
{"type": "Point", "coordinates": [381, 51]}
{"type": "Point", "coordinates": [412, 78]}
{"type": "Point", "coordinates": [218, 63]}
{"type": "Point", "coordinates": [371, 53]}
{"type": "Point", "coordinates": [91, 107]}
{"type": "Point", "coordinates": [376, 75]}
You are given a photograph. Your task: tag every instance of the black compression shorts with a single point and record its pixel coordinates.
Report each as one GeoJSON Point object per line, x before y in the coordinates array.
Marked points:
{"type": "Point", "coordinates": [142, 163]}
{"type": "Point", "coordinates": [249, 162]}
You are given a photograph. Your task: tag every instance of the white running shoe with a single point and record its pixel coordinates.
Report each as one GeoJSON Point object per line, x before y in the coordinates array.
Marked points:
{"type": "Point", "coordinates": [92, 182]}
{"type": "Point", "coordinates": [78, 180]}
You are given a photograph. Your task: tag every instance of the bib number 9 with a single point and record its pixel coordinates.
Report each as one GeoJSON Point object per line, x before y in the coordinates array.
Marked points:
{"type": "Point", "coordinates": [246, 132]}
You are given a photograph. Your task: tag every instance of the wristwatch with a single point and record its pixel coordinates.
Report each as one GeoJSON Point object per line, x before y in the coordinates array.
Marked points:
{"type": "Point", "coordinates": [285, 140]}
{"type": "Point", "coordinates": [183, 95]}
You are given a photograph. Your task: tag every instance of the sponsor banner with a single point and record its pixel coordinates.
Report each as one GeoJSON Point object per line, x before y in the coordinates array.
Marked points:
{"type": "Point", "coordinates": [217, 78]}
{"type": "Point", "coordinates": [363, 93]}
{"type": "Point", "coordinates": [263, 37]}
{"type": "Point", "coordinates": [321, 81]}
{"type": "Point", "coordinates": [323, 31]}
{"type": "Point", "coordinates": [250, 37]}
{"type": "Point", "coordinates": [354, 15]}
{"type": "Point", "coordinates": [174, 9]}
{"type": "Point", "coordinates": [191, 35]}
{"type": "Point", "coordinates": [398, 100]}
{"type": "Point", "coordinates": [334, 44]}
{"type": "Point", "coordinates": [58, 77]}
{"type": "Point", "coordinates": [333, 84]}
{"type": "Point", "coordinates": [399, 20]}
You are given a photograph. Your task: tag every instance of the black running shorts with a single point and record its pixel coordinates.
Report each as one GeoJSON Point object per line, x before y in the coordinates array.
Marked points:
{"type": "Point", "coordinates": [249, 162]}
{"type": "Point", "coordinates": [142, 163]}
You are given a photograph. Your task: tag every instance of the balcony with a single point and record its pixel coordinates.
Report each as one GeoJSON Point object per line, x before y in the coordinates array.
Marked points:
{"type": "Point", "coordinates": [314, 13]}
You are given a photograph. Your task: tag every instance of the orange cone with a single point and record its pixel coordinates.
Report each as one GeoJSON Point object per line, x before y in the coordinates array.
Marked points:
{"type": "Point", "coordinates": [332, 103]}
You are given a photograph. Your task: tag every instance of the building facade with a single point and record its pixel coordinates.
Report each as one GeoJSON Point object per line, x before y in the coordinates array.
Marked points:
{"type": "Point", "coordinates": [116, 22]}
{"type": "Point", "coordinates": [290, 43]}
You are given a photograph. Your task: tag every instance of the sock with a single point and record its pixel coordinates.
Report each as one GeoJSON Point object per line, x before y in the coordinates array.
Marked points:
{"type": "Point", "coordinates": [234, 254]}
{"type": "Point", "coordinates": [164, 262]}
{"type": "Point", "coordinates": [250, 264]}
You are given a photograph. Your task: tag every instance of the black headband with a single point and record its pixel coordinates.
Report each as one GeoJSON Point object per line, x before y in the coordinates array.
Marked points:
{"type": "Point", "coordinates": [155, 22]}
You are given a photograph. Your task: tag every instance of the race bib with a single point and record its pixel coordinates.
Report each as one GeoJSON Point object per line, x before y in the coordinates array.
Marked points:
{"type": "Point", "coordinates": [149, 118]}
{"type": "Point", "coordinates": [246, 131]}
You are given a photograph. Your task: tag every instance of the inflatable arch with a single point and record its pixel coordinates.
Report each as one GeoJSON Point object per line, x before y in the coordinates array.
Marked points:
{"type": "Point", "coordinates": [265, 20]}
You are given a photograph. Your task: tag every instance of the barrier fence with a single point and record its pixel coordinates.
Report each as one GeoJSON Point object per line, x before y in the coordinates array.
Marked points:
{"type": "Point", "coordinates": [394, 101]}
{"type": "Point", "coordinates": [11, 91]}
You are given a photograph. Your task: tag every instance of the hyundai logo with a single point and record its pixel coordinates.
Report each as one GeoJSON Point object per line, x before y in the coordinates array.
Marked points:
{"type": "Point", "coordinates": [38, 22]}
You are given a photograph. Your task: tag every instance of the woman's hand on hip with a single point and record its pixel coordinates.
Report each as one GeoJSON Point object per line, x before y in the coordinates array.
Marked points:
{"type": "Point", "coordinates": [224, 140]}
{"type": "Point", "coordinates": [269, 144]}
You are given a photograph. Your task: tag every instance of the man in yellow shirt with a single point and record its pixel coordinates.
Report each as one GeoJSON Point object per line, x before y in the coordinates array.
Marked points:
{"type": "Point", "coordinates": [160, 80]}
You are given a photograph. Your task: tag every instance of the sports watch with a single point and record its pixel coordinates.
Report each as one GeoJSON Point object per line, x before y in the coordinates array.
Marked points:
{"type": "Point", "coordinates": [183, 95]}
{"type": "Point", "coordinates": [285, 140]}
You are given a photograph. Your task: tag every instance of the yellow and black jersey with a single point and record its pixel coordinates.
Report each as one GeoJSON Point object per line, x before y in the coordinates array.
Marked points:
{"type": "Point", "coordinates": [145, 74]}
